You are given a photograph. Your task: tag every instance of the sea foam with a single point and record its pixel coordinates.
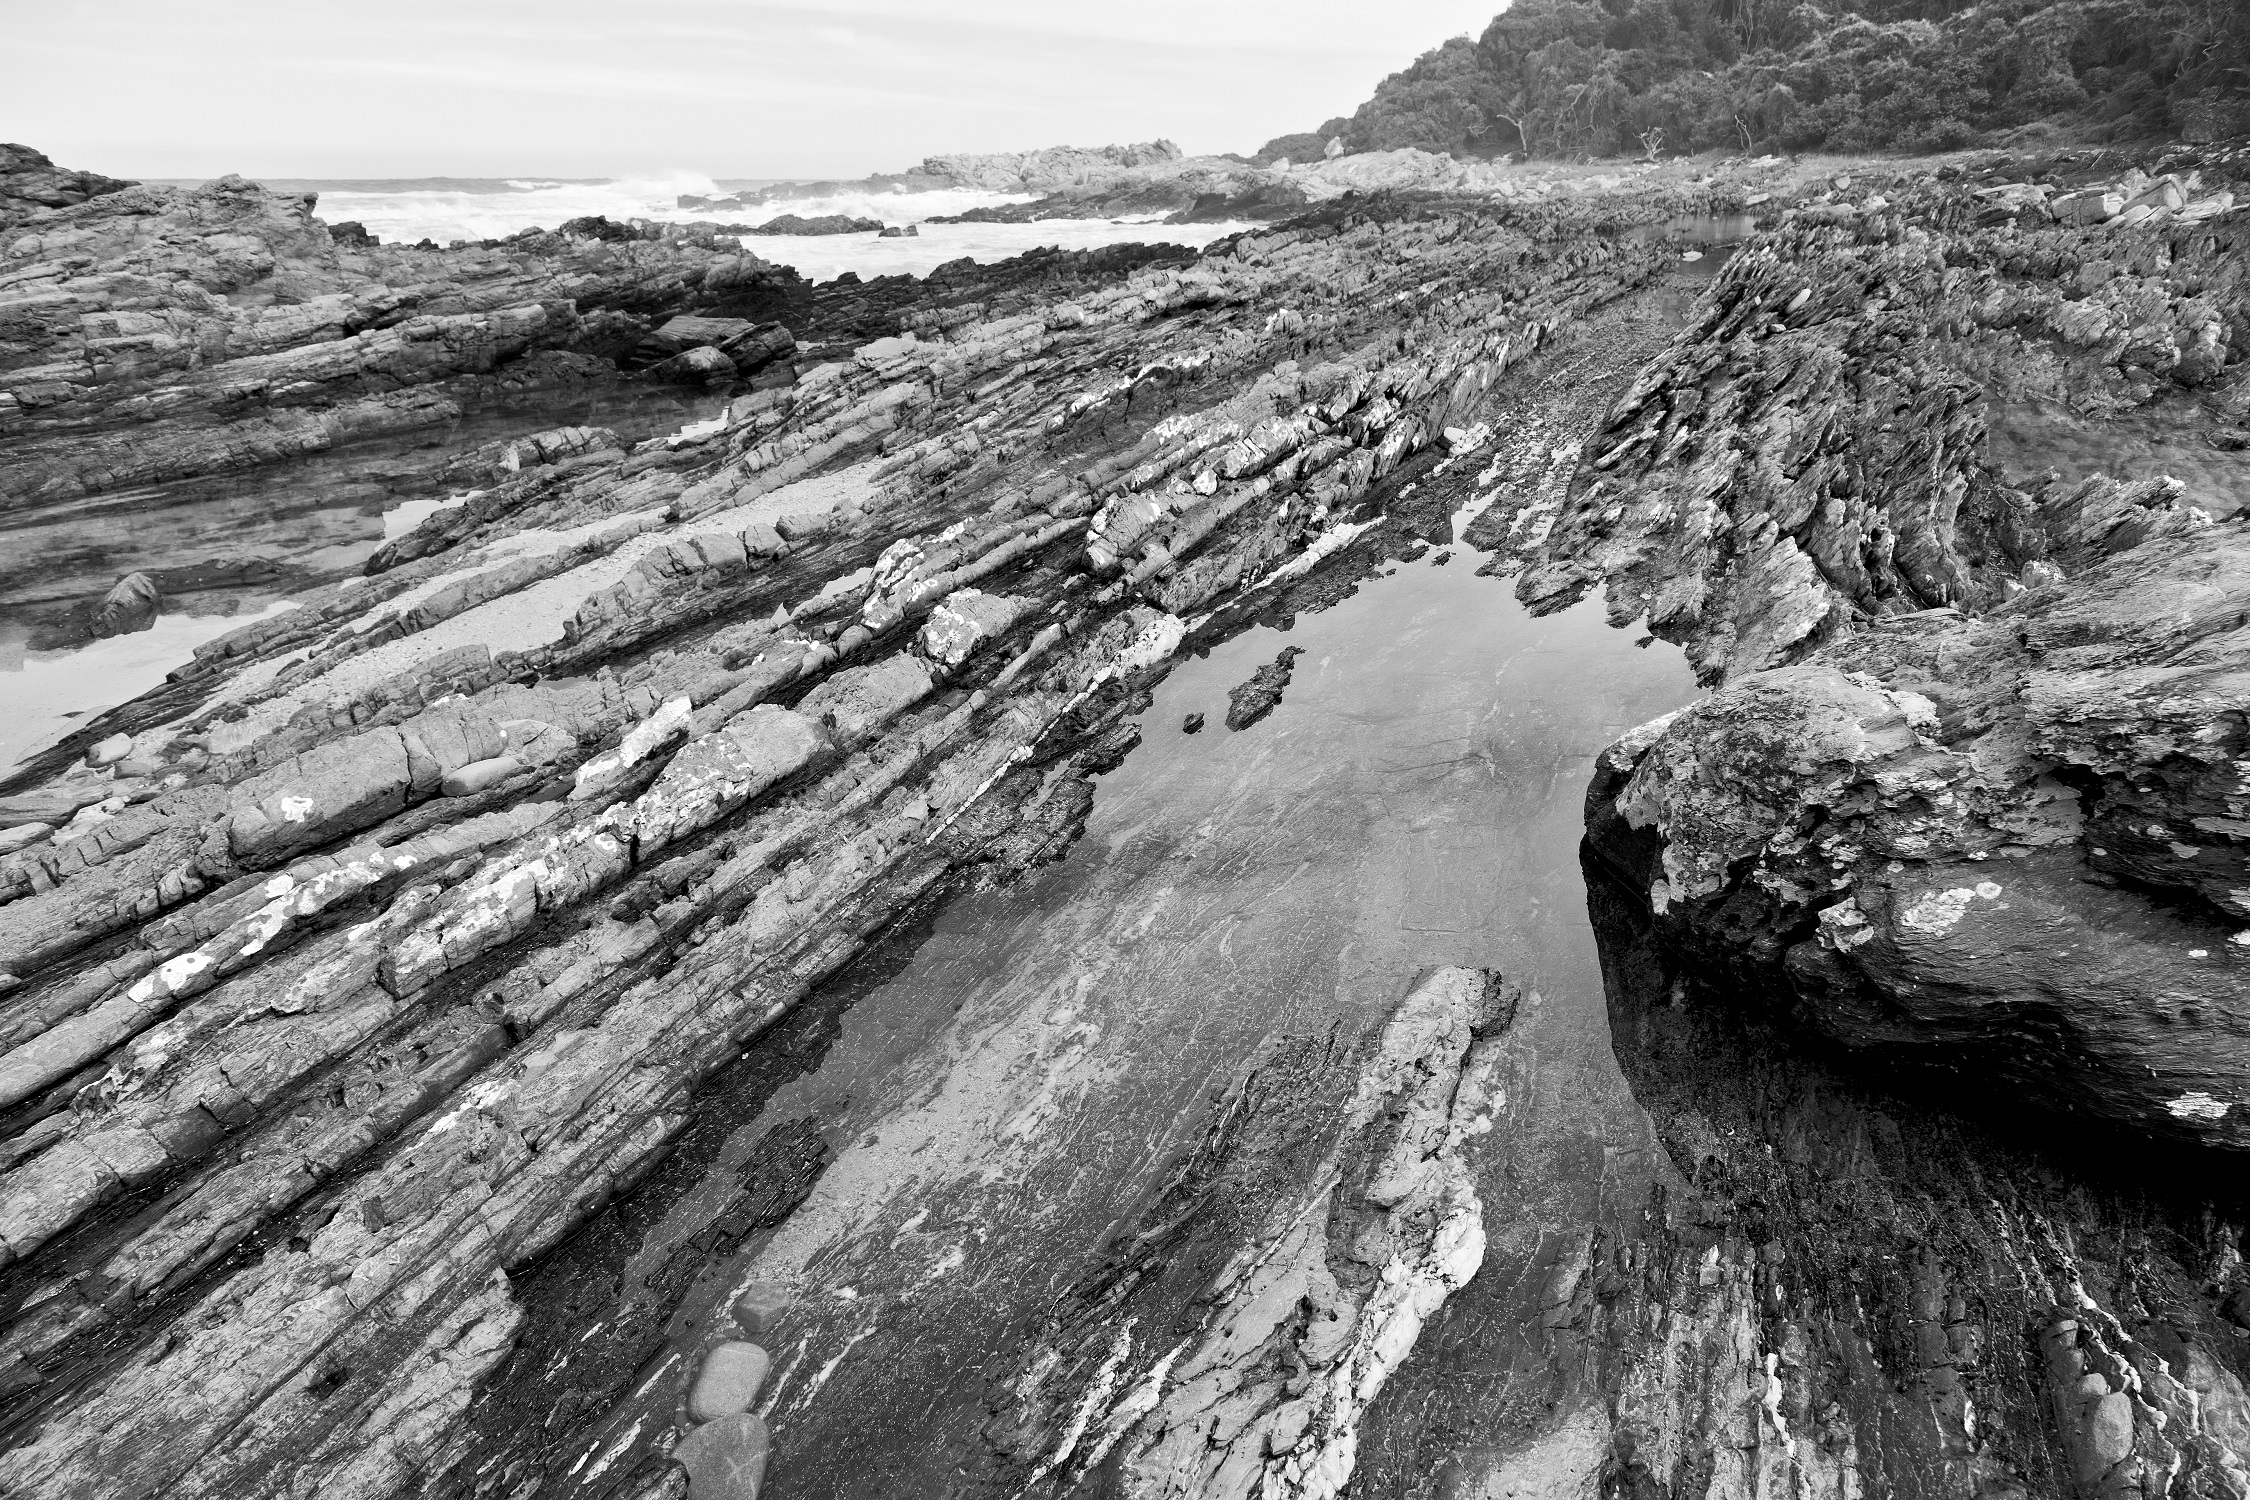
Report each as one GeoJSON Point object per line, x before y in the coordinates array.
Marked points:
{"type": "Point", "coordinates": [493, 209]}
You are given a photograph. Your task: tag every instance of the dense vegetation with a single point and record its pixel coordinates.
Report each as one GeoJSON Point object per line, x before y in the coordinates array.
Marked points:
{"type": "Point", "coordinates": [1562, 78]}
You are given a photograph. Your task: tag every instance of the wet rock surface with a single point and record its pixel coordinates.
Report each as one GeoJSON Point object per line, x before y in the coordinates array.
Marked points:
{"type": "Point", "coordinates": [438, 894]}
{"type": "Point", "coordinates": [418, 1016]}
{"type": "Point", "coordinates": [1252, 701]}
{"type": "Point", "coordinates": [1971, 792]}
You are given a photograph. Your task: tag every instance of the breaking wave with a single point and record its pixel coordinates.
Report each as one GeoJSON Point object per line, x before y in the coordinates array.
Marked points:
{"type": "Point", "coordinates": [492, 208]}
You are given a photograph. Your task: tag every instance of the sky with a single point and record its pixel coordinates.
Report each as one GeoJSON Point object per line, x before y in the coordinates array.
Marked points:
{"type": "Point", "coordinates": [729, 88]}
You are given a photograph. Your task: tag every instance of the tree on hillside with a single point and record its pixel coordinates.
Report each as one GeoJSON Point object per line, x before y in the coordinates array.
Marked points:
{"type": "Point", "coordinates": [1571, 77]}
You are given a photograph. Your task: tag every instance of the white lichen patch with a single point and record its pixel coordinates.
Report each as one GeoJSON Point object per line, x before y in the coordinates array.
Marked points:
{"type": "Point", "coordinates": [2197, 1105]}
{"type": "Point", "coordinates": [1939, 912]}
{"type": "Point", "coordinates": [1844, 927]}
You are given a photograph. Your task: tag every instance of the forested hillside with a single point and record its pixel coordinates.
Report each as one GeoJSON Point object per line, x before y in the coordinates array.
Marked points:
{"type": "Point", "coordinates": [1597, 77]}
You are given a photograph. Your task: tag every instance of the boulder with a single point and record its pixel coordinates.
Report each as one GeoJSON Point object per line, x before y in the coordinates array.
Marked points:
{"type": "Point", "coordinates": [477, 775]}
{"type": "Point", "coordinates": [747, 347]}
{"type": "Point", "coordinates": [901, 232]}
{"type": "Point", "coordinates": [705, 366]}
{"type": "Point", "coordinates": [2092, 206]}
{"type": "Point", "coordinates": [110, 751]}
{"type": "Point", "coordinates": [2028, 859]}
{"type": "Point", "coordinates": [818, 224]}
{"type": "Point", "coordinates": [965, 621]}
{"type": "Point", "coordinates": [728, 1382]}
{"type": "Point", "coordinates": [29, 182]}
{"type": "Point", "coordinates": [760, 1309]}
{"type": "Point", "coordinates": [726, 1459]}
{"type": "Point", "coordinates": [130, 605]}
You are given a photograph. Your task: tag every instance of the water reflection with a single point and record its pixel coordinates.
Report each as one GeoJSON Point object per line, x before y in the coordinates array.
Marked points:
{"type": "Point", "coordinates": [227, 548]}
{"type": "Point", "coordinates": [1414, 801]}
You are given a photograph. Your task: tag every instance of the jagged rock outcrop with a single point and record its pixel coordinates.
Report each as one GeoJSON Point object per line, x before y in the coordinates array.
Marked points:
{"type": "Point", "coordinates": [155, 333]}
{"type": "Point", "coordinates": [1838, 1287]}
{"type": "Point", "coordinates": [30, 183]}
{"type": "Point", "coordinates": [1972, 794]}
{"type": "Point", "coordinates": [816, 224]}
{"type": "Point", "coordinates": [1048, 170]}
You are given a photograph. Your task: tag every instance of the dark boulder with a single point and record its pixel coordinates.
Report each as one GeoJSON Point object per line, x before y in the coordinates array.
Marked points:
{"type": "Point", "coordinates": [820, 224]}
{"type": "Point", "coordinates": [29, 182]}
{"type": "Point", "coordinates": [129, 606]}
{"type": "Point", "coordinates": [597, 227]}
{"type": "Point", "coordinates": [747, 347]}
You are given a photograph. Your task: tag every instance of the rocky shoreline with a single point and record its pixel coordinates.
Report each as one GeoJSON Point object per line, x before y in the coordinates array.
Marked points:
{"type": "Point", "coordinates": [410, 930]}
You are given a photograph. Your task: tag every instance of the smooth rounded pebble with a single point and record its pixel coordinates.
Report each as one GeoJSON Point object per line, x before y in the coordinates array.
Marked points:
{"type": "Point", "coordinates": [479, 774]}
{"type": "Point", "coordinates": [110, 751]}
{"type": "Point", "coordinates": [728, 1382]}
{"type": "Point", "coordinates": [726, 1459]}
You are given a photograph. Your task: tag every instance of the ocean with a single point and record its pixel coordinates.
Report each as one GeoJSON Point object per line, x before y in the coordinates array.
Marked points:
{"type": "Point", "coordinates": [445, 209]}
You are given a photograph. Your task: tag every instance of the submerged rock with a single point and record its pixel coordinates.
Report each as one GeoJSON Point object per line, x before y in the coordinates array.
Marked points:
{"type": "Point", "coordinates": [728, 1381]}
{"type": "Point", "coordinates": [1323, 1299]}
{"type": "Point", "coordinates": [130, 605]}
{"type": "Point", "coordinates": [1261, 695]}
{"type": "Point", "coordinates": [726, 1459]}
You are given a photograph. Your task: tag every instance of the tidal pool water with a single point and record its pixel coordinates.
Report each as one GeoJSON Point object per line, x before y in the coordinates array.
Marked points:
{"type": "Point", "coordinates": [227, 548]}
{"type": "Point", "coordinates": [1414, 801]}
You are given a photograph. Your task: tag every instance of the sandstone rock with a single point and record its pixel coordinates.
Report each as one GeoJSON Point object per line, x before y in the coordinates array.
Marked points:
{"type": "Point", "coordinates": [130, 605]}
{"type": "Point", "coordinates": [225, 292]}
{"type": "Point", "coordinates": [726, 1459]}
{"type": "Point", "coordinates": [29, 183]}
{"type": "Point", "coordinates": [760, 1310]}
{"type": "Point", "coordinates": [301, 1055]}
{"type": "Point", "coordinates": [2021, 806]}
{"type": "Point", "coordinates": [695, 367]}
{"type": "Point", "coordinates": [967, 619]}
{"type": "Point", "coordinates": [2109, 1434]}
{"type": "Point", "coordinates": [1297, 1334]}
{"type": "Point", "coordinates": [818, 224]}
{"type": "Point", "coordinates": [465, 781]}
{"type": "Point", "coordinates": [728, 1382]}
{"type": "Point", "coordinates": [1261, 695]}
{"type": "Point", "coordinates": [2090, 207]}
{"type": "Point", "coordinates": [110, 751]}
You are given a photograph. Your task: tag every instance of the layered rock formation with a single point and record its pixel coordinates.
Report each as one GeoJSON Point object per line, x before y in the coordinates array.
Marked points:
{"type": "Point", "coordinates": [1972, 793]}
{"type": "Point", "coordinates": [150, 333]}
{"type": "Point", "coordinates": [393, 947]}
{"type": "Point", "coordinates": [354, 977]}
{"type": "Point", "coordinates": [1258, 1308]}
{"type": "Point", "coordinates": [31, 184]}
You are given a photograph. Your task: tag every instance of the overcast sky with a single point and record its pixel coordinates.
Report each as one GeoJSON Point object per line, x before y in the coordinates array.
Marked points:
{"type": "Point", "coordinates": [380, 88]}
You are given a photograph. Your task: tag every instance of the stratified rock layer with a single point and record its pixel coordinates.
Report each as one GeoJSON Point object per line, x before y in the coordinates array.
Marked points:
{"type": "Point", "coordinates": [434, 896]}
{"type": "Point", "coordinates": [1974, 790]}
